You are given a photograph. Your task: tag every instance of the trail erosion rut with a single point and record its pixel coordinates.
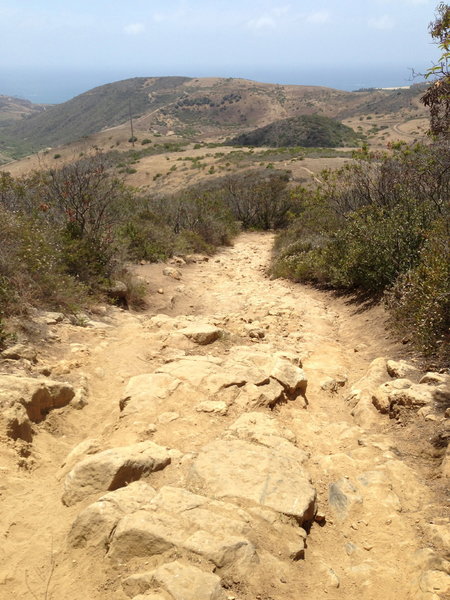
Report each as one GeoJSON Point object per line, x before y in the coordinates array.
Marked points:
{"type": "Point", "coordinates": [242, 439]}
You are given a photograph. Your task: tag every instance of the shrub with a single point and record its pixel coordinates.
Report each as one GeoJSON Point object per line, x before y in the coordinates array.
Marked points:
{"type": "Point", "coordinates": [381, 225]}
{"type": "Point", "coordinates": [32, 268]}
{"type": "Point", "coordinates": [420, 299]}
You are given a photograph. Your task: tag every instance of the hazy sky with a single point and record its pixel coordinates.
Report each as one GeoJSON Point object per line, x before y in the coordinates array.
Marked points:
{"type": "Point", "coordinates": [216, 37]}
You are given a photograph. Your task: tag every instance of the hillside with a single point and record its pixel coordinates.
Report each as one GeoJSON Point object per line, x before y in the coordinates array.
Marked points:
{"type": "Point", "coordinates": [15, 109]}
{"type": "Point", "coordinates": [306, 130]}
{"type": "Point", "coordinates": [195, 109]}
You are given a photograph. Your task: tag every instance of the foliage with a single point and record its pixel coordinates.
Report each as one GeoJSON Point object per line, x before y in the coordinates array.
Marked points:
{"type": "Point", "coordinates": [437, 96]}
{"type": "Point", "coordinates": [420, 299]}
{"type": "Point", "coordinates": [32, 269]}
{"type": "Point", "coordinates": [259, 201]}
{"type": "Point", "coordinates": [305, 130]}
{"type": "Point", "coordinates": [380, 225]}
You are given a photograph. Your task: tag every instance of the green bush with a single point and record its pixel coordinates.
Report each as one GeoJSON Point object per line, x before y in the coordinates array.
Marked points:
{"type": "Point", "coordinates": [32, 268]}
{"type": "Point", "coordinates": [375, 245]}
{"type": "Point", "coordinates": [420, 299]}
{"type": "Point", "coordinates": [380, 225]}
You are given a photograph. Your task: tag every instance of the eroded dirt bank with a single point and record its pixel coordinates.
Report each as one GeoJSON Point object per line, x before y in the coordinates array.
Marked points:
{"type": "Point", "coordinates": [232, 443]}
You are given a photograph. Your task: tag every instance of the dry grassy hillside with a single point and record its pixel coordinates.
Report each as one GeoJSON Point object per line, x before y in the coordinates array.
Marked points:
{"type": "Point", "coordinates": [197, 109]}
{"type": "Point", "coordinates": [14, 109]}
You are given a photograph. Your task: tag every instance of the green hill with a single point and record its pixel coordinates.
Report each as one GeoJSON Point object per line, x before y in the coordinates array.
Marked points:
{"type": "Point", "coordinates": [201, 108]}
{"type": "Point", "coordinates": [88, 113]}
{"type": "Point", "coordinates": [306, 130]}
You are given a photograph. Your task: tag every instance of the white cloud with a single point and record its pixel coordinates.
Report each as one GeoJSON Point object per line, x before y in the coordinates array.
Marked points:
{"type": "Point", "coordinates": [383, 23]}
{"type": "Point", "coordinates": [263, 22]}
{"type": "Point", "coordinates": [281, 10]}
{"type": "Point", "coordinates": [134, 28]}
{"type": "Point", "coordinates": [321, 16]}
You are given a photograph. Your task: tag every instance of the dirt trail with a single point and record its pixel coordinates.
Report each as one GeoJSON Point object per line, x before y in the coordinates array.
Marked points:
{"type": "Point", "coordinates": [218, 385]}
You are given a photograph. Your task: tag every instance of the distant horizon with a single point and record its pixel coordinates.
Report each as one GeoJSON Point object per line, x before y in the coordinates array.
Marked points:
{"type": "Point", "coordinates": [57, 85]}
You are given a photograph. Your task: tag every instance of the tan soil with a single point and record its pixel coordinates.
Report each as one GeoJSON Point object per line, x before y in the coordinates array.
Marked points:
{"type": "Point", "coordinates": [369, 555]}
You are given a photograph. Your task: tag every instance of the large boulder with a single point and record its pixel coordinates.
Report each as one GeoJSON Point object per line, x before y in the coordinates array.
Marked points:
{"type": "Point", "coordinates": [112, 469]}
{"type": "Point", "coordinates": [176, 518]}
{"type": "Point", "coordinates": [137, 523]}
{"type": "Point", "coordinates": [257, 474]}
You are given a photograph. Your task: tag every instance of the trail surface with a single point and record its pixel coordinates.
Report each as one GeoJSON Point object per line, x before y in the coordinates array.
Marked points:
{"type": "Point", "coordinates": [211, 452]}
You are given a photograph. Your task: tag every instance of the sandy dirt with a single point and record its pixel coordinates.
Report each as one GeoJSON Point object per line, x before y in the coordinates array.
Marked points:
{"type": "Point", "coordinates": [379, 548]}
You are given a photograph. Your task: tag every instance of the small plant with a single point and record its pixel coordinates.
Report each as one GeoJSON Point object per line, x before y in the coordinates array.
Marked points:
{"type": "Point", "coordinates": [57, 156]}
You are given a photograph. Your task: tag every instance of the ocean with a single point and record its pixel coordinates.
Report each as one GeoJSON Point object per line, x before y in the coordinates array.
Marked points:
{"type": "Point", "coordinates": [53, 86]}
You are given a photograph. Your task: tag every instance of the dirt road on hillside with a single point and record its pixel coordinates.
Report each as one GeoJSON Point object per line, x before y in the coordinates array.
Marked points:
{"type": "Point", "coordinates": [223, 445]}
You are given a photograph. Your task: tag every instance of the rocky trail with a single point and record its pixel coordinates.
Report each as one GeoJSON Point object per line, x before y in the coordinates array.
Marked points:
{"type": "Point", "coordinates": [242, 439]}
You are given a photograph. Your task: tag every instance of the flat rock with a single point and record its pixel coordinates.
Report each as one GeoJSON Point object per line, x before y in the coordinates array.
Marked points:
{"type": "Point", "coordinates": [400, 369]}
{"type": "Point", "coordinates": [147, 391]}
{"type": "Point", "coordinates": [412, 397]}
{"type": "Point", "coordinates": [181, 581]}
{"type": "Point", "coordinates": [202, 334]}
{"type": "Point", "coordinates": [112, 469]}
{"type": "Point", "coordinates": [261, 475]}
{"type": "Point", "coordinates": [217, 407]}
{"type": "Point", "coordinates": [435, 378]}
{"type": "Point", "coordinates": [95, 523]}
{"type": "Point", "coordinates": [342, 495]}
{"type": "Point", "coordinates": [257, 427]}
{"type": "Point", "coordinates": [19, 351]}
{"type": "Point", "coordinates": [185, 582]}
{"type": "Point", "coordinates": [177, 518]}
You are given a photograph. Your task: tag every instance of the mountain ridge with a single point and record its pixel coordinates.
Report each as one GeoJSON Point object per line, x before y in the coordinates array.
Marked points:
{"type": "Point", "coordinates": [191, 108]}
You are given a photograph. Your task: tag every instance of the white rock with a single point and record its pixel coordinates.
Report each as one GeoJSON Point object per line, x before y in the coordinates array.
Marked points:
{"type": "Point", "coordinates": [212, 406]}
{"type": "Point", "coordinates": [238, 469]}
{"type": "Point", "coordinates": [181, 581]}
{"type": "Point", "coordinates": [202, 334]}
{"type": "Point", "coordinates": [112, 469]}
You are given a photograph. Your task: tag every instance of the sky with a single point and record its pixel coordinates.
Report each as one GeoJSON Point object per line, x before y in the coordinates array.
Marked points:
{"type": "Point", "coordinates": [62, 47]}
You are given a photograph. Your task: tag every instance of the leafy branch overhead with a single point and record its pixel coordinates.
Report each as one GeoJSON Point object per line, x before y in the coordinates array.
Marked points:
{"type": "Point", "coordinates": [437, 96]}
